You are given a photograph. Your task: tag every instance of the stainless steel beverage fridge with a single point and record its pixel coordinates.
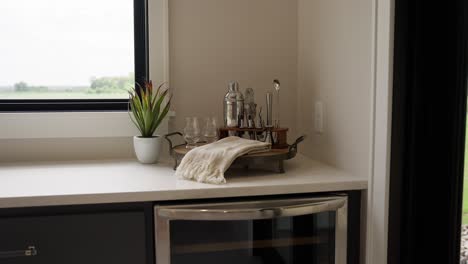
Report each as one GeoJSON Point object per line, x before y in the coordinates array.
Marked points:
{"type": "Point", "coordinates": [290, 231]}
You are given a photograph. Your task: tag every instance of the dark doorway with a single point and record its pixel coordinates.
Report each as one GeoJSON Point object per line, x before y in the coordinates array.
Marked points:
{"type": "Point", "coordinates": [428, 131]}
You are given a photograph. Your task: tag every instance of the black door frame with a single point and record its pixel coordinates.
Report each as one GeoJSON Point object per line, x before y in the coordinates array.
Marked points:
{"type": "Point", "coordinates": [428, 131]}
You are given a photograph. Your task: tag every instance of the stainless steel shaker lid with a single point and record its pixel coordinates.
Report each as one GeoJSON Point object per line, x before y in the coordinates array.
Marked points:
{"type": "Point", "coordinates": [233, 86]}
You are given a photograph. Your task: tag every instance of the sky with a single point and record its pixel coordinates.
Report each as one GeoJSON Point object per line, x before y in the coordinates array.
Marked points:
{"type": "Point", "coordinates": [64, 42]}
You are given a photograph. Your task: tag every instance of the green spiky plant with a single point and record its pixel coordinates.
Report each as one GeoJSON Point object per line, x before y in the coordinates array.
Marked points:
{"type": "Point", "coordinates": [148, 108]}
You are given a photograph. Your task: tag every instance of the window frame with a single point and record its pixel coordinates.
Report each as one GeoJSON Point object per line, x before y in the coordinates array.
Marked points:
{"type": "Point", "coordinates": [141, 54]}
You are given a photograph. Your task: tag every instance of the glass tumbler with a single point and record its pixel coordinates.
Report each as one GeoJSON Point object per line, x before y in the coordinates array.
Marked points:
{"type": "Point", "coordinates": [191, 132]}
{"type": "Point", "coordinates": [211, 130]}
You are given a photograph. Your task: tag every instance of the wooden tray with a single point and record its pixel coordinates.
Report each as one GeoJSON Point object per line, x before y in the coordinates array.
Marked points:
{"type": "Point", "coordinates": [274, 156]}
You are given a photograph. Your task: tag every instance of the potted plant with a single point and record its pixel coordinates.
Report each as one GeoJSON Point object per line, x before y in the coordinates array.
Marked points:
{"type": "Point", "coordinates": [147, 109]}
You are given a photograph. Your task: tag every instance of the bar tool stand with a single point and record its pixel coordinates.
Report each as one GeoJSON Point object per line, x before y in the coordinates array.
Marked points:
{"type": "Point", "coordinates": [269, 133]}
{"type": "Point", "coordinates": [269, 136]}
{"type": "Point", "coordinates": [280, 134]}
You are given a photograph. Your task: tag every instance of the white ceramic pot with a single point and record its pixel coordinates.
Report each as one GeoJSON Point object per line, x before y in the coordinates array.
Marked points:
{"type": "Point", "coordinates": [147, 150]}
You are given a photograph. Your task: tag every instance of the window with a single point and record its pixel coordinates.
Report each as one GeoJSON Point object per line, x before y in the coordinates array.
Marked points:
{"type": "Point", "coordinates": [71, 55]}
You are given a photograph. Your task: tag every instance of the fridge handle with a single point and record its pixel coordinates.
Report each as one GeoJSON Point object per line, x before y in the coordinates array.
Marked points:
{"type": "Point", "coordinates": [300, 208]}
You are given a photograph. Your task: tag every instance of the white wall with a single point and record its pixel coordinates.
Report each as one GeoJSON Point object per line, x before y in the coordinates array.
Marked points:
{"type": "Point", "coordinates": [215, 41]}
{"type": "Point", "coordinates": [379, 182]}
{"type": "Point", "coordinates": [211, 43]}
{"type": "Point", "coordinates": [158, 39]}
{"type": "Point", "coordinates": [335, 67]}
{"type": "Point", "coordinates": [66, 136]}
{"type": "Point", "coordinates": [320, 50]}
{"type": "Point", "coordinates": [65, 149]}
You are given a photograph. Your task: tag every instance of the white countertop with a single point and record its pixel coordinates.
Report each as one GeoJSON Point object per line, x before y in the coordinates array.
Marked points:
{"type": "Point", "coordinates": [114, 181]}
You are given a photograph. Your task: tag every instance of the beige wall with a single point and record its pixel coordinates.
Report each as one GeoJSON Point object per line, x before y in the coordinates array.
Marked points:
{"type": "Point", "coordinates": [65, 149]}
{"type": "Point", "coordinates": [320, 50]}
{"type": "Point", "coordinates": [211, 43]}
{"type": "Point", "coordinates": [335, 51]}
{"type": "Point", "coordinates": [215, 41]}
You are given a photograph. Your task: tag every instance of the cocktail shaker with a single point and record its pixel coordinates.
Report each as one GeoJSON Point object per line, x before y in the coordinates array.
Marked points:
{"type": "Point", "coordinates": [233, 106]}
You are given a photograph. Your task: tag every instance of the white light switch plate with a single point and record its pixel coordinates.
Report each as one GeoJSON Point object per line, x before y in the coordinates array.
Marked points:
{"type": "Point", "coordinates": [318, 117]}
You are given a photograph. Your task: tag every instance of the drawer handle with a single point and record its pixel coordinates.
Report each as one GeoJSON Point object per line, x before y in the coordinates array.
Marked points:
{"type": "Point", "coordinates": [29, 252]}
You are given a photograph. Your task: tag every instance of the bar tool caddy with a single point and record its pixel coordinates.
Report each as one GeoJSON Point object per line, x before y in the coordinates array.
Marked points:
{"type": "Point", "coordinates": [241, 119]}
{"type": "Point", "coordinates": [242, 123]}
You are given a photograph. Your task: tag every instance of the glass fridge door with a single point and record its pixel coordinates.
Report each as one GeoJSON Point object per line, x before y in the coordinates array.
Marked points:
{"type": "Point", "coordinates": [291, 231]}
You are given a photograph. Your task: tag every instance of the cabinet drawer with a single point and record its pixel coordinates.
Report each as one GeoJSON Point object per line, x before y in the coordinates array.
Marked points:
{"type": "Point", "coordinates": [117, 238]}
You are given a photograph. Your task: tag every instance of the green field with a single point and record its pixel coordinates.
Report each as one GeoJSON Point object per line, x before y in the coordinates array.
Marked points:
{"type": "Point", "coordinates": [465, 183]}
{"type": "Point", "coordinates": [106, 87]}
{"type": "Point", "coordinates": [62, 95]}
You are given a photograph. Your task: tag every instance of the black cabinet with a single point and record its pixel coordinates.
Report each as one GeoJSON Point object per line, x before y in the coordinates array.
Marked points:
{"type": "Point", "coordinates": [117, 237]}
{"type": "Point", "coordinates": [306, 228]}
{"type": "Point", "coordinates": [124, 234]}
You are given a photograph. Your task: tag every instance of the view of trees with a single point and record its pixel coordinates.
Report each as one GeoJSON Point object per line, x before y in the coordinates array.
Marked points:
{"type": "Point", "coordinates": [101, 85]}
{"type": "Point", "coordinates": [111, 84]}
{"type": "Point", "coordinates": [24, 87]}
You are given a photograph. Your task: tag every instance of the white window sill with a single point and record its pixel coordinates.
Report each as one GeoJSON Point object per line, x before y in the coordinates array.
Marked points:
{"type": "Point", "coordinates": [69, 125]}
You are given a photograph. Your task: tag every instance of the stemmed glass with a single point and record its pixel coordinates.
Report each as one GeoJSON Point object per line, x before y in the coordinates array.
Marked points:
{"type": "Point", "coordinates": [191, 132]}
{"type": "Point", "coordinates": [211, 130]}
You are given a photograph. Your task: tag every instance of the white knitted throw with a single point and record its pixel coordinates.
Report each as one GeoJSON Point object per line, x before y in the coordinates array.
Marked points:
{"type": "Point", "coordinates": [209, 162]}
